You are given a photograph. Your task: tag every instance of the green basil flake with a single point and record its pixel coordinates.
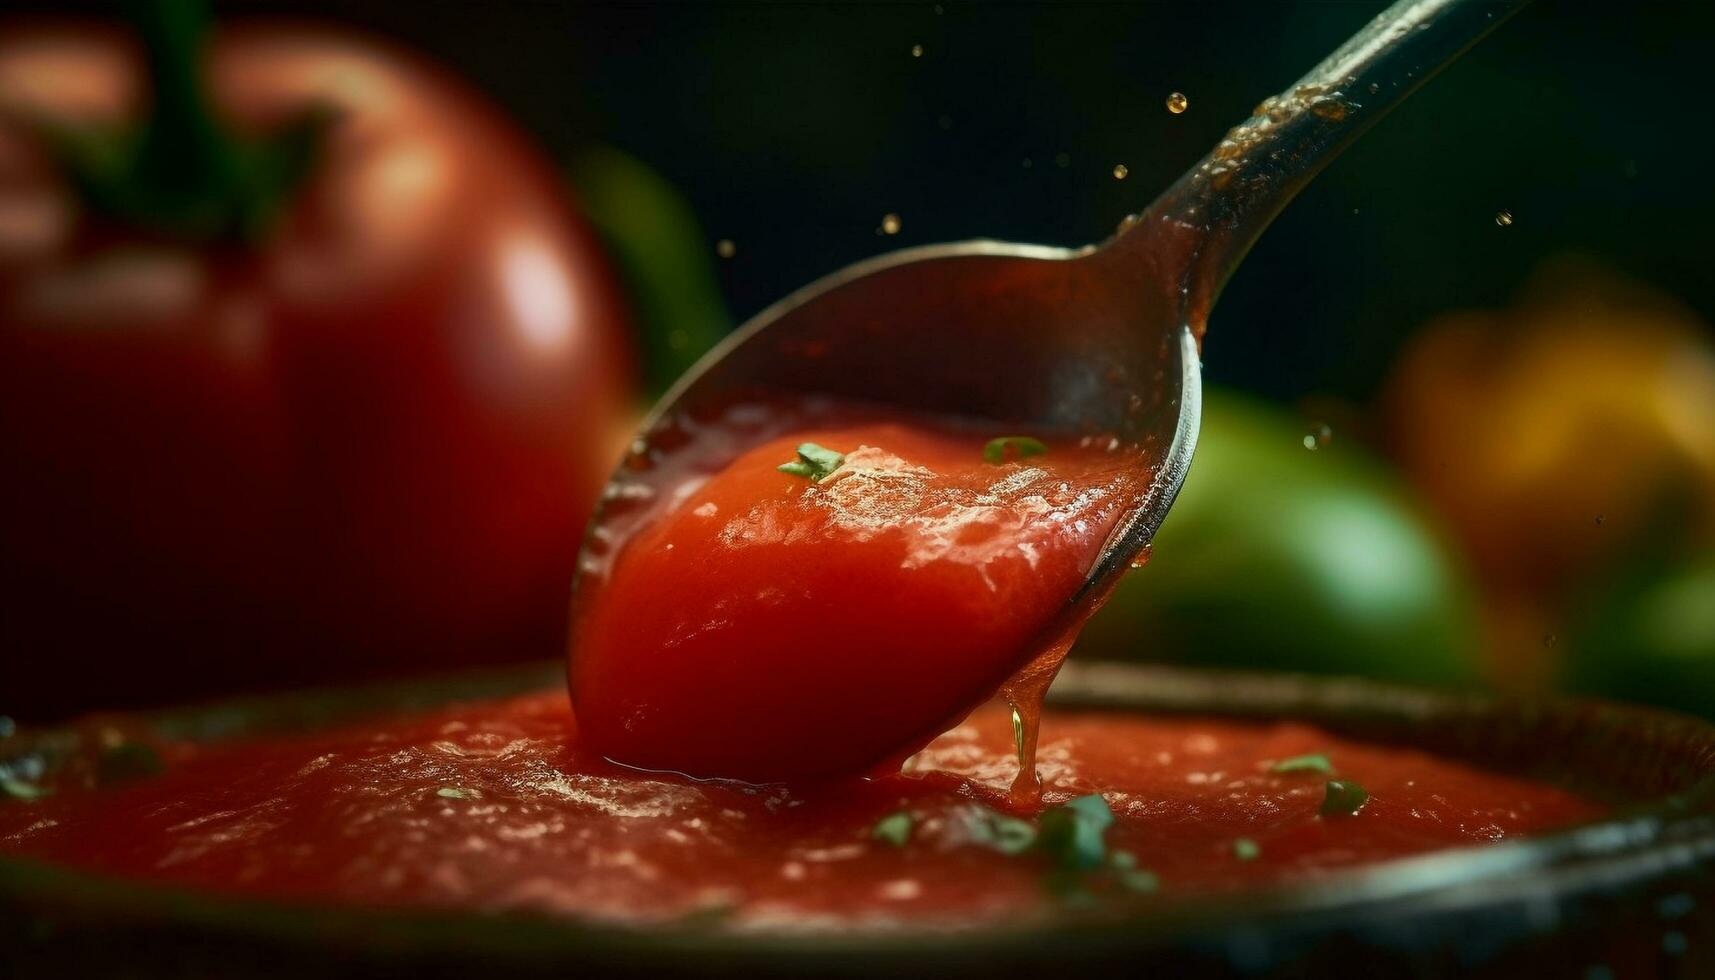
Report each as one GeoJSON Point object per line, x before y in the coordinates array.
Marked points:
{"type": "Point", "coordinates": [17, 789]}
{"type": "Point", "coordinates": [1142, 882]}
{"type": "Point", "coordinates": [998, 832]}
{"type": "Point", "coordinates": [1129, 875]}
{"type": "Point", "coordinates": [814, 463]}
{"type": "Point", "coordinates": [1074, 833]}
{"type": "Point", "coordinates": [1246, 849]}
{"type": "Point", "coordinates": [1343, 798]}
{"type": "Point", "coordinates": [1022, 446]}
{"type": "Point", "coordinates": [1314, 762]}
{"type": "Point", "coordinates": [455, 793]}
{"type": "Point", "coordinates": [895, 828]}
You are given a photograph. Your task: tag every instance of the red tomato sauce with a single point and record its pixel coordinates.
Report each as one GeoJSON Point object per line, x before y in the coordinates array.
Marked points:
{"type": "Point", "coordinates": [760, 625]}
{"type": "Point", "coordinates": [498, 806]}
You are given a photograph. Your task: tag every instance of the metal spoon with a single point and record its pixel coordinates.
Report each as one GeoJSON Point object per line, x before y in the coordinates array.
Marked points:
{"type": "Point", "coordinates": [1103, 339]}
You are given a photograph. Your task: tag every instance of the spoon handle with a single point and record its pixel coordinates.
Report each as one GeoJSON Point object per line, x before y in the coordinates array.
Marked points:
{"type": "Point", "coordinates": [1224, 203]}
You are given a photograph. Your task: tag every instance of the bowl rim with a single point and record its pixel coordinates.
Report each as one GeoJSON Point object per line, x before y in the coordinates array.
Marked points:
{"type": "Point", "coordinates": [1670, 834]}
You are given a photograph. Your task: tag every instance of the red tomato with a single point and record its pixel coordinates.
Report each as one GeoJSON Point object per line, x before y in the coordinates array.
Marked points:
{"type": "Point", "coordinates": [767, 627]}
{"type": "Point", "coordinates": [364, 444]}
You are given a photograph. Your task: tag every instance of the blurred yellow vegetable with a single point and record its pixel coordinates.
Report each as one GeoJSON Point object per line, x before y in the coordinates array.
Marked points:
{"type": "Point", "coordinates": [1554, 433]}
{"type": "Point", "coordinates": [1560, 437]}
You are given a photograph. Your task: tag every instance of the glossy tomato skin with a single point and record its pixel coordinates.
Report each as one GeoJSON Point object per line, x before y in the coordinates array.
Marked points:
{"type": "Point", "coordinates": [365, 444]}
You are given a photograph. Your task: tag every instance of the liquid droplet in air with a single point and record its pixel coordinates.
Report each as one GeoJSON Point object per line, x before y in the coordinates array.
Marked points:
{"type": "Point", "coordinates": [1120, 171]}
{"type": "Point", "coordinates": [1317, 437]}
{"type": "Point", "coordinates": [1503, 217]}
{"type": "Point", "coordinates": [1177, 103]}
{"type": "Point", "coordinates": [917, 51]}
{"type": "Point", "coordinates": [725, 248]}
{"type": "Point", "coordinates": [890, 224]}
{"type": "Point", "coordinates": [1548, 640]}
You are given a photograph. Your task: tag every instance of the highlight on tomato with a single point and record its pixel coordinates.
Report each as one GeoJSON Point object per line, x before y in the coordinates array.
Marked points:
{"type": "Point", "coordinates": [308, 370]}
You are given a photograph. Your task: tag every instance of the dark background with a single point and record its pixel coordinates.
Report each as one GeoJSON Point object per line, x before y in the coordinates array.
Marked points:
{"type": "Point", "coordinates": [793, 127]}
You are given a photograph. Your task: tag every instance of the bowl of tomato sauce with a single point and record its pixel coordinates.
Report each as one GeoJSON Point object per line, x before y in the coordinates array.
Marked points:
{"type": "Point", "coordinates": [1192, 823]}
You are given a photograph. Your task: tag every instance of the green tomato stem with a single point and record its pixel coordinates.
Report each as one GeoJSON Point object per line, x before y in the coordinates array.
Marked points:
{"type": "Point", "coordinates": [184, 159]}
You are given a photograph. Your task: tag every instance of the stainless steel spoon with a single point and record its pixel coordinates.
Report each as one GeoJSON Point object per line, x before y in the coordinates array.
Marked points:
{"type": "Point", "coordinates": [1101, 340]}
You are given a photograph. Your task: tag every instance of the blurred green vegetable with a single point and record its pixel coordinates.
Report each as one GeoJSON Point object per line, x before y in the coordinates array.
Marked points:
{"type": "Point", "coordinates": [1282, 557]}
{"type": "Point", "coordinates": [1651, 640]}
{"type": "Point", "coordinates": [663, 256]}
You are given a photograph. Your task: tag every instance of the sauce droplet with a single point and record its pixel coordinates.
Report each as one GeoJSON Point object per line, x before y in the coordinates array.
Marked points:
{"type": "Point", "coordinates": [725, 248]}
{"type": "Point", "coordinates": [917, 51]}
{"type": "Point", "coordinates": [1177, 103]}
{"type": "Point", "coordinates": [1503, 217]}
{"type": "Point", "coordinates": [890, 224]}
{"type": "Point", "coordinates": [1120, 171]}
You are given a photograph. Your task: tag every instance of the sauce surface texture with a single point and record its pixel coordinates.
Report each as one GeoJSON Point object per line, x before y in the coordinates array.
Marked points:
{"type": "Point", "coordinates": [494, 806]}
{"type": "Point", "coordinates": [761, 625]}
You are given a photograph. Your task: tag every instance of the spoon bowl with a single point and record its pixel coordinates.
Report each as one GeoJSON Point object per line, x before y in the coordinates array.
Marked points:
{"type": "Point", "coordinates": [1096, 341]}
{"type": "Point", "coordinates": [1032, 337]}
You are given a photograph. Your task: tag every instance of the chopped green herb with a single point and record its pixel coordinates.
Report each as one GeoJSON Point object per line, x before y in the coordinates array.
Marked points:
{"type": "Point", "coordinates": [1129, 875]}
{"type": "Point", "coordinates": [1021, 446]}
{"type": "Point", "coordinates": [814, 463]}
{"type": "Point", "coordinates": [1343, 798]}
{"type": "Point", "coordinates": [1246, 849]}
{"type": "Point", "coordinates": [12, 788]}
{"type": "Point", "coordinates": [127, 761]}
{"type": "Point", "coordinates": [1142, 882]}
{"type": "Point", "coordinates": [895, 828]}
{"type": "Point", "coordinates": [998, 832]}
{"type": "Point", "coordinates": [1074, 833]}
{"type": "Point", "coordinates": [1072, 837]}
{"type": "Point", "coordinates": [1314, 762]}
{"type": "Point", "coordinates": [455, 793]}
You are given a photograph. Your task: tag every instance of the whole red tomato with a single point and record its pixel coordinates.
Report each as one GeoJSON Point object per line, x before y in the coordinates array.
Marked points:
{"type": "Point", "coordinates": [361, 440]}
